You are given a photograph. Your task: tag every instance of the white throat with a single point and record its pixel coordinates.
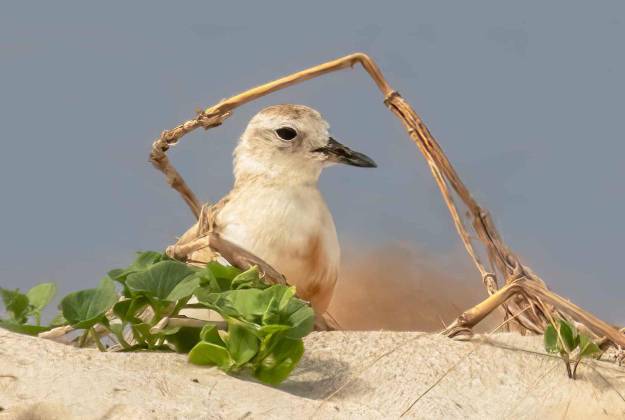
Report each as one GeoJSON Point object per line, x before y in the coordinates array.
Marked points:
{"type": "Point", "coordinates": [269, 167]}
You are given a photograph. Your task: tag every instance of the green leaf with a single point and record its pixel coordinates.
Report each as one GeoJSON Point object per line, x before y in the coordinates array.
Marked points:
{"type": "Point", "coordinates": [293, 312]}
{"type": "Point", "coordinates": [300, 316]}
{"type": "Point", "coordinates": [208, 279]}
{"type": "Point", "coordinates": [158, 281]}
{"type": "Point", "coordinates": [116, 328]}
{"type": "Point", "coordinates": [184, 289]}
{"type": "Point", "coordinates": [85, 308]}
{"type": "Point", "coordinates": [248, 279]}
{"type": "Point", "coordinates": [226, 272]}
{"type": "Point", "coordinates": [127, 309]}
{"type": "Point", "coordinates": [16, 305]}
{"type": "Point", "coordinates": [117, 274]}
{"type": "Point", "coordinates": [211, 354]}
{"type": "Point", "coordinates": [551, 339]}
{"type": "Point", "coordinates": [216, 277]}
{"type": "Point", "coordinates": [40, 295]}
{"type": "Point", "coordinates": [278, 306]}
{"type": "Point", "coordinates": [243, 345]}
{"type": "Point", "coordinates": [568, 334]}
{"type": "Point", "coordinates": [224, 336]}
{"type": "Point", "coordinates": [185, 339]}
{"type": "Point", "coordinates": [210, 334]}
{"type": "Point", "coordinates": [274, 328]}
{"type": "Point", "coordinates": [587, 347]}
{"type": "Point", "coordinates": [23, 328]}
{"type": "Point", "coordinates": [247, 303]}
{"type": "Point", "coordinates": [279, 363]}
{"type": "Point", "coordinates": [275, 305]}
{"type": "Point", "coordinates": [143, 261]}
{"type": "Point", "coordinates": [272, 313]}
{"type": "Point", "coordinates": [286, 297]}
{"type": "Point", "coordinates": [141, 332]}
{"type": "Point", "coordinates": [58, 320]}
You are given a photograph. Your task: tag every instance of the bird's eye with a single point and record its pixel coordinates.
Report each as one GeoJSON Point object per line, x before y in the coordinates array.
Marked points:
{"type": "Point", "coordinates": [286, 133]}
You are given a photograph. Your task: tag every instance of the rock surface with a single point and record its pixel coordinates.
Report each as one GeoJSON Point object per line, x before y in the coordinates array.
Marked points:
{"type": "Point", "coordinates": [342, 375]}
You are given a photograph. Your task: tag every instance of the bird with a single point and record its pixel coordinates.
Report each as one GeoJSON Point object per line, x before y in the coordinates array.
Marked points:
{"type": "Point", "coordinates": [275, 209]}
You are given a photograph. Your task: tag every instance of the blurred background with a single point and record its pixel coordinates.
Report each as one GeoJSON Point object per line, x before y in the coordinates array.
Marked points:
{"type": "Point", "coordinates": [526, 99]}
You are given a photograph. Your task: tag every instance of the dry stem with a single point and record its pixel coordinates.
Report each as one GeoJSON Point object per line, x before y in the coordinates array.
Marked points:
{"type": "Point", "coordinates": [233, 253]}
{"type": "Point", "coordinates": [525, 296]}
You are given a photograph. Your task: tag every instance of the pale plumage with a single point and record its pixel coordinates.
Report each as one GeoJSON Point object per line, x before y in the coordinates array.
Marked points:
{"type": "Point", "coordinates": [275, 209]}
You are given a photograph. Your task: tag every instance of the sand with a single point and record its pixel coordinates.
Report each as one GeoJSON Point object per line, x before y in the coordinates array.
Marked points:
{"type": "Point", "coordinates": [342, 375]}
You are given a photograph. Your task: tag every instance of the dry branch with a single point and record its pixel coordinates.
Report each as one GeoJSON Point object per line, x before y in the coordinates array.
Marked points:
{"type": "Point", "coordinates": [524, 297]}
{"type": "Point", "coordinates": [233, 253]}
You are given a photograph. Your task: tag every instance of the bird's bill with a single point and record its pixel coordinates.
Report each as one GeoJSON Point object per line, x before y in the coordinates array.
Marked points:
{"type": "Point", "coordinates": [337, 152]}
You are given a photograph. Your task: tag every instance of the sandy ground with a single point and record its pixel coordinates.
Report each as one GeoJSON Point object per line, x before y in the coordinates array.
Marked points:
{"type": "Point", "coordinates": [342, 375]}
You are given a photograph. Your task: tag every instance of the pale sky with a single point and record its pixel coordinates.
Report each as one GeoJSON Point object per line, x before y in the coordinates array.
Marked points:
{"type": "Point", "coordinates": [526, 98]}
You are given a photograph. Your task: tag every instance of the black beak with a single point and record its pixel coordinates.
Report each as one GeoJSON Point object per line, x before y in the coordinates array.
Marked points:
{"type": "Point", "coordinates": [337, 152]}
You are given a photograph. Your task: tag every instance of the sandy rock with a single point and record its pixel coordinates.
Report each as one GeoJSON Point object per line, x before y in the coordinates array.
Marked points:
{"type": "Point", "coordinates": [342, 375]}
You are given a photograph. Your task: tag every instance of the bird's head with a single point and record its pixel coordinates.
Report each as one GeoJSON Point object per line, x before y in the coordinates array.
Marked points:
{"type": "Point", "coordinates": [290, 143]}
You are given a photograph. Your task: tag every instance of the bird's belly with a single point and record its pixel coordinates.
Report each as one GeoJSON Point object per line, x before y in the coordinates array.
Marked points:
{"type": "Point", "coordinates": [296, 237]}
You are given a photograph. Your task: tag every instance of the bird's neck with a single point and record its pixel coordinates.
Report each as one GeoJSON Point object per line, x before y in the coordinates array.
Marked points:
{"type": "Point", "coordinates": [250, 172]}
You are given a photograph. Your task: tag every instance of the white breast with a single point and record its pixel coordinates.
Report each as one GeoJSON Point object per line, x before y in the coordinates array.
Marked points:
{"type": "Point", "coordinates": [292, 229]}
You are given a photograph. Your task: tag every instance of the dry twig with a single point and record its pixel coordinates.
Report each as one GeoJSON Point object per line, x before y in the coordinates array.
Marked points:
{"type": "Point", "coordinates": [522, 288]}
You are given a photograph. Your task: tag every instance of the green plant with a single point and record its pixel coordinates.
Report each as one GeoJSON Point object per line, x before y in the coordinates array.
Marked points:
{"type": "Point", "coordinates": [265, 330]}
{"type": "Point", "coordinates": [572, 346]}
{"type": "Point", "coordinates": [262, 328]}
{"type": "Point", "coordinates": [21, 308]}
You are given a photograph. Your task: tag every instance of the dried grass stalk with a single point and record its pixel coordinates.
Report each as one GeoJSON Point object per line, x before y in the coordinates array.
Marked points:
{"type": "Point", "coordinates": [524, 297]}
